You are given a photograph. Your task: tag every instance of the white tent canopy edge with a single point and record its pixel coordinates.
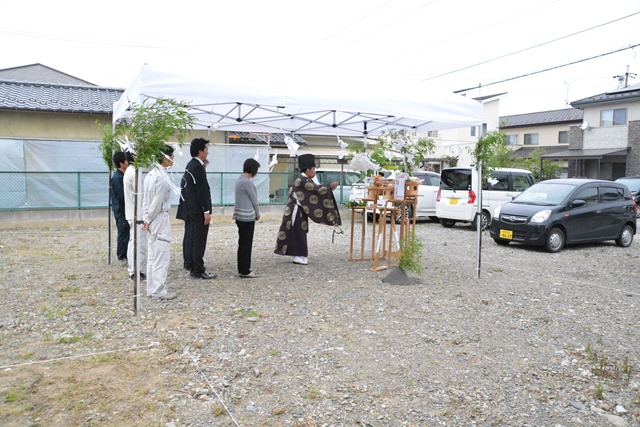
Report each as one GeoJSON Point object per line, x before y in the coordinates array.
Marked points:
{"type": "Point", "coordinates": [316, 104]}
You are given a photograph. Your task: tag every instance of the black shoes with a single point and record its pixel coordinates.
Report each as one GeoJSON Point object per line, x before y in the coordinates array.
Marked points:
{"type": "Point", "coordinates": [204, 275]}
{"type": "Point", "coordinates": [142, 276]}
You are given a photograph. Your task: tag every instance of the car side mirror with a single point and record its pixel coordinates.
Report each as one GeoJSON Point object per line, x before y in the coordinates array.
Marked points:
{"type": "Point", "coordinates": [578, 203]}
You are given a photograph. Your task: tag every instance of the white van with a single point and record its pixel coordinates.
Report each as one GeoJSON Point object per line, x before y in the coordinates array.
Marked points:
{"type": "Point", "coordinates": [457, 199]}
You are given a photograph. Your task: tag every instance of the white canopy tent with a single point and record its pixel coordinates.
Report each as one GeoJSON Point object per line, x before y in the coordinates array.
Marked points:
{"type": "Point", "coordinates": [247, 97]}
{"type": "Point", "coordinates": [312, 103]}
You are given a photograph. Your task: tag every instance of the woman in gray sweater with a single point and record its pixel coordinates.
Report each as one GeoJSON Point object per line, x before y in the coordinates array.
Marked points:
{"type": "Point", "coordinates": [246, 213]}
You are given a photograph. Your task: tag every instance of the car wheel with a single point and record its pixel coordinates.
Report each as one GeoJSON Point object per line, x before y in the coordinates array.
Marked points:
{"type": "Point", "coordinates": [626, 237]}
{"type": "Point", "coordinates": [407, 213]}
{"type": "Point", "coordinates": [555, 240]}
{"type": "Point", "coordinates": [484, 221]}
{"type": "Point", "coordinates": [501, 242]}
{"type": "Point", "coordinates": [448, 223]}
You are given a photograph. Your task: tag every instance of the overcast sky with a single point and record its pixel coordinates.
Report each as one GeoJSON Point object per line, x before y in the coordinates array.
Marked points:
{"type": "Point", "coordinates": [450, 44]}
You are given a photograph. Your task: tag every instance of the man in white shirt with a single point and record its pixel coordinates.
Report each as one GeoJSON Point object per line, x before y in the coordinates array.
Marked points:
{"type": "Point", "coordinates": [129, 208]}
{"type": "Point", "coordinates": [155, 217]}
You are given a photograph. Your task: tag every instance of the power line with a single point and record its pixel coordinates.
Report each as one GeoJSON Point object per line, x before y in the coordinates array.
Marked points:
{"type": "Point", "coordinates": [459, 35]}
{"type": "Point", "coordinates": [529, 48]}
{"type": "Point", "coordinates": [79, 40]}
{"type": "Point", "coordinates": [550, 68]}
{"type": "Point", "coordinates": [391, 23]}
{"type": "Point", "coordinates": [358, 20]}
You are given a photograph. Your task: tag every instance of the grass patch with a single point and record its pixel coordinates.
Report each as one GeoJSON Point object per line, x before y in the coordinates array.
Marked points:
{"type": "Point", "coordinates": [312, 393]}
{"type": "Point", "coordinates": [218, 410]}
{"type": "Point", "coordinates": [53, 313]}
{"type": "Point", "coordinates": [604, 366]}
{"type": "Point", "coordinates": [245, 312]}
{"type": "Point", "coordinates": [68, 340]}
{"type": "Point", "coordinates": [107, 358]}
{"type": "Point", "coordinates": [27, 356]}
{"type": "Point", "coordinates": [15, 396]}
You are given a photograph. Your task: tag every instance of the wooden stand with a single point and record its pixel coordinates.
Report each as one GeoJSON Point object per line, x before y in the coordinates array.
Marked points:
{"type": "Point", "coordinates": [382, 245]}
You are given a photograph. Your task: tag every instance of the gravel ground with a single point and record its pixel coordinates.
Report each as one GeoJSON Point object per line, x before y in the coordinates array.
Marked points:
{"type": "Point", "coordinates": [539, 340]}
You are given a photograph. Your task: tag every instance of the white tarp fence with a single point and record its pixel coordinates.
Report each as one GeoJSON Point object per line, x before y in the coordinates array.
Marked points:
{"type": "Point", "coordinates": [40, 174]}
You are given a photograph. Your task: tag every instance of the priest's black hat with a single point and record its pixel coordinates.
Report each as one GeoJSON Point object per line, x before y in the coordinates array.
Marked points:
{"type": "Point", "coordinates": [306, 161]}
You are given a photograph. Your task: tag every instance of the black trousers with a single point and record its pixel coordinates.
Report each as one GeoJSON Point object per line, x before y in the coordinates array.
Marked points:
{"type": "Point", "coordinates": [245, 244]}
{"type": "Point", "coordinates": [123, 239]}
{"type": "Point", "coordinates": [186, 245]}
{"type": "Point", "coordinates": [198, 242]}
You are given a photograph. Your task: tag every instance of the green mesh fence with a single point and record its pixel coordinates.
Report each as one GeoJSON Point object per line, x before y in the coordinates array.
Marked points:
{"type": "Point", "coordinates": [90, 190]}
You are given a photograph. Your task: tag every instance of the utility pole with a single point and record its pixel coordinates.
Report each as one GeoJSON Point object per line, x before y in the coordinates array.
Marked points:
{"type": "Point", "coordinates": [625, 78]}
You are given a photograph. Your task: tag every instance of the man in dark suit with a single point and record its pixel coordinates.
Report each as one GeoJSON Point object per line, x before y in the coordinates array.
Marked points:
{"type": "Point", "coordinates": [183, 215]}
{"type": "Point", "coordinates": [117, 197]}
{"type": "Point", "coordinates": [197, 200]}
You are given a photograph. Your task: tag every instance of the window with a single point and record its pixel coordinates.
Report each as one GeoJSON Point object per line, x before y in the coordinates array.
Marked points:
{"type": "Point", "coordinates": [530, 139]}
{"type": "Point", "coordinates": [589, 195]}
{"type": "Point", "coordinates": [520, 182]}
{"type": "Point", "coordinates": [611, 194]}
{"type": "Point", "coordinates": [473, 131]}
{"type": "Point", "coordinates": [432, 134]}
{"type": "Point", "coordinates": [499, 181]}
{"type": "Point", "coordinates": [429, 179]}
{"type": "Point", "coordinates": [563, 137]}
{"type": "Point", "coordinates": [456, 179]}
{"type": "Point", "coordinates": [511, 139]}
{"type": "Point", "coordinates": [617, 117]}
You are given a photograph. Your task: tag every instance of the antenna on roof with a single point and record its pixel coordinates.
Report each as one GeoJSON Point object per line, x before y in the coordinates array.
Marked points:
{"type": "Point", "coordinates": [623, 79]}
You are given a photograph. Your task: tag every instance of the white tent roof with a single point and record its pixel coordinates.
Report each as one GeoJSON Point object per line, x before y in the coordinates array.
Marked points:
{"type": "Point", "coordinates": [249, 100]}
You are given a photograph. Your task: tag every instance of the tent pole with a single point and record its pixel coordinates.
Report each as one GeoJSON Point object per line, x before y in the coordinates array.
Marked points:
{"type": "Point", "coordinates": [136, 269]}
{"type": "Point", "coordinates": [479, 222]}
{"type": "Point", "coordinates": [109, 229]}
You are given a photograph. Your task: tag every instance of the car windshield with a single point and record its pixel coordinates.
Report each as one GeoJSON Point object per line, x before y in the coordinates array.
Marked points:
{"type": "Point", "coordinates": [428, 179]}
{"type": "Point", "coordinates": [456, 179]}
{"type": "Point", "coordinates": [632, 183]}
{"type": "Point", "coordinates": [327, 177]}
{"type": "Point", "coordinates": [545, 194]}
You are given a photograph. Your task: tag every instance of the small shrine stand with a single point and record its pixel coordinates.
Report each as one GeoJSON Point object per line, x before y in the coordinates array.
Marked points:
{"type": "Point", "coordinates": [385, 241]}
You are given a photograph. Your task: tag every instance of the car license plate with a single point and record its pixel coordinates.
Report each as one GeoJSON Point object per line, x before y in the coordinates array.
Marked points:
{"type": "Point", "coordinates": [506, 234]}
{"type": "Point", "coordinates": [453, 201]}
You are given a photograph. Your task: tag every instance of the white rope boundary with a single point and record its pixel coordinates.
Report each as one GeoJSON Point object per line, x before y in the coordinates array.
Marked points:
{"type": "Point", "coordinates": [195, 362]}
{"type": "Point", "coordinates": [78, 356]}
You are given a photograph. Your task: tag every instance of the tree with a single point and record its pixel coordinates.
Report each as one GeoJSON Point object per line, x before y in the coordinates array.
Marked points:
{"type": "Point", "coordinates": [146, 132]}
{"type": "Point", "coordinates": [490, 150]}
{"type": "Point", "coordinates": [397, 149]}
{"type": "Point", "coordinates": [550, 169]}
{"type": "Point", "coordinates": [148, 129]}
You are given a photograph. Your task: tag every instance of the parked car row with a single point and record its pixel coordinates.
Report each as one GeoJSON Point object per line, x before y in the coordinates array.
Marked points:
{"type": "Point", "coordinates": [552, 213]}
{"type": "Point", "coordinates": [457, 199]}
{"type": "Point", "coordinates": [557, 212]}
{"type": "Point", "coordinates": [633, 183]}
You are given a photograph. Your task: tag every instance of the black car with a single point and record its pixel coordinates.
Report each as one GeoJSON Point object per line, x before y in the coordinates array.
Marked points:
{"type": "Point", "coordinates": [633, 182]}
{"type": "Point", "coordinates": [562, 211]}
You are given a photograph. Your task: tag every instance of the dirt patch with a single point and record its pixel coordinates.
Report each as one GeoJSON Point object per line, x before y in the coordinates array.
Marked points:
{"type": "Point", "coordinates": [539, 339]}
